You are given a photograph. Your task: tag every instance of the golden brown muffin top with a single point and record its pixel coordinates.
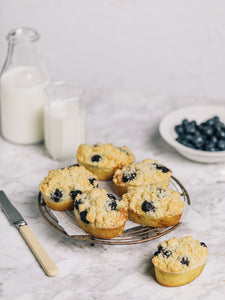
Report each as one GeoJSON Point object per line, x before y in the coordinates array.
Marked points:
{"type": "Point", "coordinates": [149, 171]}
{"type": "Point", "coordinates": [104, 155]}
{"type": "Point", "coordinates": [180, 255]}
{"type": "Point", "coordinates": [155, 202]}
{"type": "Point", "coordinates": [101, 209]}
{"type": "Point", "coordinates": [67, 180]}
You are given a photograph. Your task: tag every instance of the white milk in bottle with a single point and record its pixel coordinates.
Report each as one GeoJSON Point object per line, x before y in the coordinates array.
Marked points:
{"type": "Point", "coordinates": [22, 103]}
{"type": "Point", "coordinates": [22, 89]}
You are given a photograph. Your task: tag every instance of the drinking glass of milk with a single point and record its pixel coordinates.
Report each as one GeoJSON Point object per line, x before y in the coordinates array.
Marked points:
{"type": "Point", "coordinates": [22, 89]}
{"type": "Point", "coordinates": [64, 119]}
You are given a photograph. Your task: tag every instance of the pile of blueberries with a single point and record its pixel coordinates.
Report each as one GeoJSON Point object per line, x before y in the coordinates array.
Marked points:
{"type": "Point", "coordinates": [208, 136]}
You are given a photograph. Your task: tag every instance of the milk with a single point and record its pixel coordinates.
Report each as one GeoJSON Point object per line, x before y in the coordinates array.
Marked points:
{"type": "Point", "coordinates": [64, 123]}
{"type": "Point", "coordinates": [22, 104]}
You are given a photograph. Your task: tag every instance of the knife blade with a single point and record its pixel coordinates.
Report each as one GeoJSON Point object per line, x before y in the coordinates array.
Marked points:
{"type": "Point", "coordinates": [18, 221]}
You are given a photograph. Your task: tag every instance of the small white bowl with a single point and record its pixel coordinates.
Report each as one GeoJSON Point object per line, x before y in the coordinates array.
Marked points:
{"type": "Point", "coordinates": [199, 114]}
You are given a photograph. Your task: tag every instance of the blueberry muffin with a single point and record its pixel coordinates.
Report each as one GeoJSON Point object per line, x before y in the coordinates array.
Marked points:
{"type": "Point", "coordinates": [100, 213]}
{"type": "Point", "coordinates": [178, 261]}
{"type": "Point", "coordinates": [61, 187]}
{"type": "Point", "coordinates": [148, 172]}
{"type": "Point", "coordinates": [104, 159]}
{"type": "Point", "coordinates": [155, 207]}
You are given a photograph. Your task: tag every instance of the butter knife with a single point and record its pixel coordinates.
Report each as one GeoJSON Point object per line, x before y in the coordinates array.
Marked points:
{"type": "Point", "coordinates": [18, 221]}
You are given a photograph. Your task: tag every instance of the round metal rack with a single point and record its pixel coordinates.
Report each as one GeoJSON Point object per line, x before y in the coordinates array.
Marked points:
{"type": "Point", "coordinates": [134, 235]}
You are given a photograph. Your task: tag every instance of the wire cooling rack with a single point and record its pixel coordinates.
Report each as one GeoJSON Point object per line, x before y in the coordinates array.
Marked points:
{"type": "Point", "coordinates": [134, 235]}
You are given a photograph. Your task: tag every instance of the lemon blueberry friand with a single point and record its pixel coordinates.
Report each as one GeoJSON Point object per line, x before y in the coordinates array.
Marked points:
{"type": "Point", "coordinates": [61, 187]}
{"type": "Point", "coordinates": [178, 261]}
{"type": "Point", "coordinates": [155, 207]}
{"type": "Point", "coordinates": [148, 172]}
{"type": "Point", "coordinates": [104, 159]}
{"type": "Point", "coordinates": [101, 213]}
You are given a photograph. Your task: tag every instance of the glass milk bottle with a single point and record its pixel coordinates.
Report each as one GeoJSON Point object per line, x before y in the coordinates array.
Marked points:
{"type": "Point", "coordinates": [64, 119]}
{"type": "Point", "coordinates": [22, 89]}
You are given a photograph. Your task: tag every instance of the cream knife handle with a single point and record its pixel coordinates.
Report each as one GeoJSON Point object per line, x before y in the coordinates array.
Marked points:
{"type": "Point", "coordinates": [43, 258]}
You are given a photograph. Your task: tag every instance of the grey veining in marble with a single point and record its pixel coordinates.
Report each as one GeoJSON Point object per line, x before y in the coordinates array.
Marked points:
{"type": "Point", "coordinates": [101, 271]}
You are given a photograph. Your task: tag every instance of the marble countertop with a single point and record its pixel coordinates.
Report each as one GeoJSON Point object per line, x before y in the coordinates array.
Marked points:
{"type": "Point", "coordinates": [109, 271]}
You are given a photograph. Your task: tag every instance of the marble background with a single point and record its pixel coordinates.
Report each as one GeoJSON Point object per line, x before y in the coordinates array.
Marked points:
{"type": "Point", "coordinates": [103, 271]}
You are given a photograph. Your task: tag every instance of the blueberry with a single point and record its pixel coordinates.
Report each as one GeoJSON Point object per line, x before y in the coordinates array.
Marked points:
{"type": "Point", "coordinates": [193, 123]}
{"type": "Point", "coordinates": [57, 195]}
{"type": "Point", "coordinates": [203, 244]}
{"type": "Point", "coordinates": [167, 253]}
{"type": "Point", "coordinates": [187, 129]}
{"type": "Point", "coordinates": [185, 123]}
{"type": "Point", "coordinates": [198, 141]}
{"type": "Point", "coordinates": [219, 126]}
{"type": "Point", "coordinates": [189, 137]}
{"type": "Point", "coordinates": [185, 143]}
{"type": "Point", "coordinates": [198, 133]}
{"type": "Point", "coordinates": [111, 196]}
{"type": "Point", "coordinates": [191, 127]}
{"type": "Point", "coordinates": [129, 176]}
{"type": "Point", "coordinates": [73, 194]}
{"type": "Point", "coordinates": [113, 205]}
{"type": "Point", "coordinates": [159, 250]}
{"type": "Point", "coordinates": [96, 158]}
{"type": "Point", "coordinates": [221, 144]}
{"type": "Point", "coordinates": [201, 127]}
{"type": "Point", "coordinates": [148, 206]}
{"type": "Point", "coordinates": [92, 180]}
{"type": "Point", "coordinates": [213, 121]}
{"type": "Point", "coordinates": [162, 168]}
{"type": "Point", "coordinates": [214, 139]}
{"type": "Point", "coordinates": [179, 129]}
{"type": "Point", "coordinates": [83, 216]}
{"type": "Point", "coordinates": [185, 261]}
{"type": "Point", "coordinates": [208, 130]}
{"type": "Point", "coordinates": [77, 203]}
{"type": "Point", "coordinates": [220, 134]}
{"type": "Point", "coordinates": [210, 122]}
{"type": "Point", "coordinates": [216, 119]}
{"type": "Point", "coordinates": [156, 253]}
{"type": "Point", "coordinates": [210, 147]}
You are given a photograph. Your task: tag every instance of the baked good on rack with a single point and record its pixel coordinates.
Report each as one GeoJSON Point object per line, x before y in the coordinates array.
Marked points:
{"type": "Point", "coordinates": [104, 159]}
{"type": "Point", "coordinates": [61, 187]}
{"type": "Point", "coordinates": [100, 213]}
{"type": "Point", "coordinates": [148, 172]}
{"type": "Point", "coordinates": [155, 207]}
{"type": "Point", "coordinates": [179, 260]}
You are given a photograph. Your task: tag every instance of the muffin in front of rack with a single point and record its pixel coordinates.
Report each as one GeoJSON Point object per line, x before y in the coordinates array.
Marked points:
{"type": "Point", "coordinates": [62, 186]}
{"type": "Point", "coordinates": [104, 159]}
{"type": "Point", "coordinates": [155, 207]}
{"type": "Point", "coordinates": [179, 261]}
{"type": "Point", "coordinates": [101, 214]}
{"type": "Point", "coordinates": [148, 172]}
